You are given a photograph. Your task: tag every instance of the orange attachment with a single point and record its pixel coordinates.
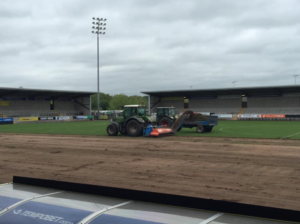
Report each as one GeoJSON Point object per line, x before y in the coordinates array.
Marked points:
{"type": "Point", "coordinates": [160, 131]}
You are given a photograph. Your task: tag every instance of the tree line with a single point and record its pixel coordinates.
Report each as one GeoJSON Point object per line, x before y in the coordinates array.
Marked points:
{"type": "Point", "coordinates": [115, 102]}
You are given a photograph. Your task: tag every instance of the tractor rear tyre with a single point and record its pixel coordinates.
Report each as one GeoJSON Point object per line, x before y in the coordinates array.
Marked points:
{"type": "Point", "coordinates": [167, 122]}
{"type": "Point", "coordinates": [134, 128]}
{"type": "Point", "coordinates": [208, 129]}
{"type": "Point", "coordinates": [200, 129]}
{"type": "Point", "coordinates": [112, 130]}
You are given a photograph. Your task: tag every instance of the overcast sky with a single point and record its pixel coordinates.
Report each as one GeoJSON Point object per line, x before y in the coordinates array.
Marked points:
{"type": "Point", "coordinates": [149, 44]}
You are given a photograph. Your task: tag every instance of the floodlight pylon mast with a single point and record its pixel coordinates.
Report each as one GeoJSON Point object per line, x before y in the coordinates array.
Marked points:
{"type": "Point", "coordinates": [99, 26]}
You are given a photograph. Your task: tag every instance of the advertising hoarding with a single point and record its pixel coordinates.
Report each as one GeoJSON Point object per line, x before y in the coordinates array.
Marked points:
{"type": "Point", "coordinates": [28, 119]}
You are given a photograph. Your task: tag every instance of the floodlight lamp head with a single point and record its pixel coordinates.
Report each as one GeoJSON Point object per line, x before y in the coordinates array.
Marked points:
{"type": "Point", "coordinates": [104, 28]}
{"type": "Point", "coordinates": [93, 32]}
{"type": "Point", "coordinates": [93, 27]}
{"type": "Point", "coordinates": [93, 22]}
{"type": "Point", "coordinates": [104, 24]}
{"type": "Point", "coordinates": [101, 19]}
{"type": "Point", "coordinates": [93, 17]}
{"type": "Point", "coordinates": [103, 33]}
{"type": "Point", "coordinates": [98, 19]}
{"type": "Point", "coordinates": [100, 32]}
{"type": "Point", "coordinates": [104, 19]}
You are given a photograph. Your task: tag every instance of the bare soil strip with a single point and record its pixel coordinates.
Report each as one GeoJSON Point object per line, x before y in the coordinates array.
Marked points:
{"type": "Point", "coordinates": [260, 172]}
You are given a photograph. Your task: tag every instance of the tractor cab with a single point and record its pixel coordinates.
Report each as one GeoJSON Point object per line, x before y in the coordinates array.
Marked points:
{"type": "Point", "coordinates": [165, 116]}
{"type": "Point", "coordinates": [165, 111]}
{"type": "Point", "coordinates": [134, 110]}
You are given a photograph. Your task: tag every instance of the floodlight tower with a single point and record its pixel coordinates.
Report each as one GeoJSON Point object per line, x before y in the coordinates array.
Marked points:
{"type": "Point", "coordinates": [295, 78]}
{"type": "Point", "coordinates": [99, 28]}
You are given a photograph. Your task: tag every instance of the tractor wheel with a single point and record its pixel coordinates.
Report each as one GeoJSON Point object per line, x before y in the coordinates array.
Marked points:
{"type": "Point", "coordinates": [134, 128]}
{"type": "Point", "coordinates": [208, 129]}
{"type": "Point", "coordinates": [112, 130]}
{"type": "Point", "coordinates": [200, 129]}
{"type": "Point", "coordinates": [167, 122]}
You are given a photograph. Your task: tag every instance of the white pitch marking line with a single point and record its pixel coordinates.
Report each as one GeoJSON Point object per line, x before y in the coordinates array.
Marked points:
{"type": "Point", "coordinates": [206, 221]}
{"type": "Point", "coordinates": [292, 135]}
{"type": "Point", "coordinates": [96, 214]}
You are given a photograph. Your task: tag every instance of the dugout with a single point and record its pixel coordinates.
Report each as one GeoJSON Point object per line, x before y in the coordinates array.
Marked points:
{"type": "Point", "coordinates": [250, 100]}
{"type": "Point", "coordinates": [20, 102]}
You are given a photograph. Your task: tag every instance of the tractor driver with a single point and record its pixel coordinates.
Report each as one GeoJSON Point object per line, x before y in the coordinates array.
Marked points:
{"type": "Point", "coordinates": [134, 111]}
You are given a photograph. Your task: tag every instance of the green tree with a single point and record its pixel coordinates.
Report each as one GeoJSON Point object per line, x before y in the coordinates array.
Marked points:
{"type": "Point", "coordinates": [117, 101]}
{"type": "Point", "coordinates": [104, 101]}
{"type": "Point", "coordinates": [121, 99]}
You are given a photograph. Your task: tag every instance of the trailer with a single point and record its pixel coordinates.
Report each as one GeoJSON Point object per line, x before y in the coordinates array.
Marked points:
{"type": "Point", "coordinates": [201, 125]}
{"type": "Point", "coordinates": [166, 117]}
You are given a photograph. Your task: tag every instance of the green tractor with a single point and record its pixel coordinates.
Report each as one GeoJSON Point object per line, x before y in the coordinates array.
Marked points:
{"type": "Point", "coordinates": [132, 122]}
{"type": "Point", "coordinates": [165, 116]}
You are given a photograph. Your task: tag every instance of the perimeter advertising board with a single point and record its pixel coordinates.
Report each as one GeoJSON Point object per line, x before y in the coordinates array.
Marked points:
{"type": "Point", "coordinates": [103, 117]}
{"type": "Point", "coordinates": [223, 115]}
{"type": "Point", "coordinates": [63, 118]}
{"type": "Point", "coordinates": [46, 118]}
{"type": "Point", "coordinates": [81, 117]}
{"type": "Point", "coordinates": [273, 115]}
{"type": "Point", "coordinates": [28, 119]}
{"type": "Point", "coordinates": [4, 103]}
{"type": "Point", "coordinates": [249, 116]}
{"type": "Point", "coordinates": [6, 121]}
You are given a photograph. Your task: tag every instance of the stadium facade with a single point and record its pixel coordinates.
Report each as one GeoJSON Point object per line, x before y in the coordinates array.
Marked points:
{"type": "Point", "coordinates": [20, 102]}
{"type": "Point", "coordinates": [248, 100]}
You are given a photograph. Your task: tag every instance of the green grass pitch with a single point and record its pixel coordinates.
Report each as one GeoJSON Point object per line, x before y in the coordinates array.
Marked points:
{"type": "Point", "coordinates": [244, 129]}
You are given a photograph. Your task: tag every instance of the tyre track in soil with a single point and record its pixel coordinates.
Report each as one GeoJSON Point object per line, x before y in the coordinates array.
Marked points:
{"type": "Point", "coordinates": [261, 172]}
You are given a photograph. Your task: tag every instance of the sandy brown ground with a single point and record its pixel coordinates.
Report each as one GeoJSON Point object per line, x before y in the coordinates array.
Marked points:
{"type": "Point", "coordinates": [261, 172]}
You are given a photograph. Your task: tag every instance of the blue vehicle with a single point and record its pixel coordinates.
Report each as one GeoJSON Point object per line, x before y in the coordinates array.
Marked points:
{"type": "Point", "coordinates": [201, 125]}
{"type": "Point", "coordinates": [165, 116]}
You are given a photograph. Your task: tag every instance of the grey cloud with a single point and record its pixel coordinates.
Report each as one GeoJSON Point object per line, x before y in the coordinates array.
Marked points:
{"type": "Point", "coordinates": [149, 45]}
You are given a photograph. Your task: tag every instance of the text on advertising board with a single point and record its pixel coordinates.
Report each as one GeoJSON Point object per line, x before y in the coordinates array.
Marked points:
{"type": "Point", "coordinates": [36, 212]}
{"type": "Point", "coordinates": [28, 119]}
{"type": "Point", "coordinates": [273, 115]}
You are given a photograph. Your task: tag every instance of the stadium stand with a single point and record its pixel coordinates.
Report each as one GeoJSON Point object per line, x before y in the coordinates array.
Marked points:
{"type": "Point", "coordinates": [20, 102]}
{"type": "Point", "coordinates": [236, 101]}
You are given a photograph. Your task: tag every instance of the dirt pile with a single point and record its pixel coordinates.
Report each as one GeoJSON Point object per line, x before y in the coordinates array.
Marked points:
{"type": "Point", "coordinates": [196, 117]}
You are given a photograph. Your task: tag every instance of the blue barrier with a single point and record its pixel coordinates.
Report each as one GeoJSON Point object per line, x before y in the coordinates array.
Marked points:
{"type": "Point", "coordinates": [6, 121]}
